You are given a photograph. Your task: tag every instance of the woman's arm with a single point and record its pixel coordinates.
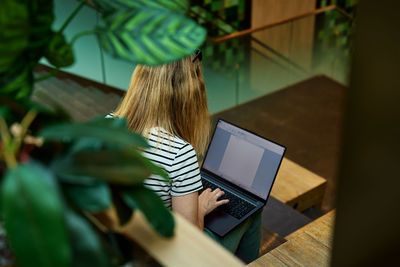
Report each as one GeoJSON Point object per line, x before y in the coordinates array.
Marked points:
{"type": "Point", "coordinates": [194, 207]}
{"type": "Point", "coordinates": [187, 206]}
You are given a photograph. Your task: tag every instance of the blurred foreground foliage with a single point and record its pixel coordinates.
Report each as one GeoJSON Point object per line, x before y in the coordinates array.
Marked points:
{"type": "Point", "coordinates": [56, 175]}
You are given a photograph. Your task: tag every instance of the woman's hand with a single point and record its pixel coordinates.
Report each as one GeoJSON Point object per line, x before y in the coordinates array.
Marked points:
{"type": "Point", "coordinates": [208, 200]}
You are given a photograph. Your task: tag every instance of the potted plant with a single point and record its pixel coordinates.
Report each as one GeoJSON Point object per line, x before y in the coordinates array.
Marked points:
{"type": "Point", "coordinates": [58, 177]}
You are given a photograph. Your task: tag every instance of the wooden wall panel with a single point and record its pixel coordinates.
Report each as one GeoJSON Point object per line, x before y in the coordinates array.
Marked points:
{"type": "Point", "coordinates": [293, 40]}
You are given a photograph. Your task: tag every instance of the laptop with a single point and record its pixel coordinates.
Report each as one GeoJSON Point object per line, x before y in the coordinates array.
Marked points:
{"type": "Point", "coordinates": [244, 165]}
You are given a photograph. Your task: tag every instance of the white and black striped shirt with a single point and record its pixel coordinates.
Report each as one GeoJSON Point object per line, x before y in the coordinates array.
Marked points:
{"type": "Point", "coordinates": [178, 158]}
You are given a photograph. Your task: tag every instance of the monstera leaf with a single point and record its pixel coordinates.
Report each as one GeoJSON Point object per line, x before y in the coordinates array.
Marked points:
{"type": "Point", "coordinates": [110, 6]}
{"type": "Point", "coordinates": [149, 36]}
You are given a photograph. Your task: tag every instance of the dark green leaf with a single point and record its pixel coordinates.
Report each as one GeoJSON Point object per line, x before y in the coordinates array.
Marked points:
{"type": "Point", "coordinates": [59, 52]}
{"type": "Point", "coordinates": [17, 81]}
{"type": "Point", "coordinates": [152, 207]}
{"type": "Point", "coordinates": [4, 112]}
{"type": "Point", "coordinates": [41, 19]}
{"type": "Point", "coordinates": [120, 248]}
{"type": "Point", "coordinates": [150, 36]}
{"type": "Point", "coordinates": [92, 144]}
{"type": "Point", "coordinates": [107, 130]}
{"type": "Point", "coordinates": [33, 217]}
{"type": "Point", "coordinates": [91, 198]}
{"type": "Point", "coordinates": [110, 6]}
{"type": "Point", "coordinates": [72, 179]}
{"type": "Point", "coordinates": [152, 167]}
{"type": "Point", "coordinates": [114, 166]}
{"type": "Point", "coordinates": [123, 210]}
{"type": "Point", "coordinates": [86, 246]}
{"type": "Point", "coordinates": [14, 32]}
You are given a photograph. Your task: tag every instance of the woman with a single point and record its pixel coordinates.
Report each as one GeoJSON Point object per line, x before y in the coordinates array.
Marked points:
{"type": "Point", "coordinates": [168, 105]}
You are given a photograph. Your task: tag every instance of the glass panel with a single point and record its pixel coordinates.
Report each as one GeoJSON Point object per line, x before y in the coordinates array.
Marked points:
{"type": "Point", "coordinates": [250, 66]}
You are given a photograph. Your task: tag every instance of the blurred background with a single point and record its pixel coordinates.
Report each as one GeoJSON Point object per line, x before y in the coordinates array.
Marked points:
{"type": "Point", "coordinates": [289, 41]}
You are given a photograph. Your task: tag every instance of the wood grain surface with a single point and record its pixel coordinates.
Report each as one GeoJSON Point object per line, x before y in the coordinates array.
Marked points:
{"type": "Point", "coordinates": [297, 186]}
{"type": "Point", "coordinates": [308, 246]}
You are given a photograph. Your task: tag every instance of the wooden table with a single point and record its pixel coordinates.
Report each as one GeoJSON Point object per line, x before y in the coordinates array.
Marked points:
{"type": "Point", "coordinates": [308, 246]}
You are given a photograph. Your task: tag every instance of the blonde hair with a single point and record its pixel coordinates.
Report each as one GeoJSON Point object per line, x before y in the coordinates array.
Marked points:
{"type": "Point", "coordinates": [172, 97]}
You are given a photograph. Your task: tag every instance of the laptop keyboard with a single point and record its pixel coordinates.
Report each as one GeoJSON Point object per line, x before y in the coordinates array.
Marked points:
{"type": "Point", "coordinates": [237, 207]}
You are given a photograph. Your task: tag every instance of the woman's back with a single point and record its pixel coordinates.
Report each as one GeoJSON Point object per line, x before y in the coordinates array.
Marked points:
{"type": "Point", "coordinates": [178, 158]}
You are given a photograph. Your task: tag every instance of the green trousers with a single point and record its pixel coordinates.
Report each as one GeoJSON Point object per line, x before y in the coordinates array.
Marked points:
{"type": "Point", "coordinates": [244, 241]}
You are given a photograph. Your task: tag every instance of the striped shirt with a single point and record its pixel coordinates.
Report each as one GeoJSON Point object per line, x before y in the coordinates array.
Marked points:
{"type": "Point", "coordinates": [178, 158]}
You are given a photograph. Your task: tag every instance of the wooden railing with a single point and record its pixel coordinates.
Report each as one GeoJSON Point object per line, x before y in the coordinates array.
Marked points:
{"type": "Point", "coordinates": [278, 22]}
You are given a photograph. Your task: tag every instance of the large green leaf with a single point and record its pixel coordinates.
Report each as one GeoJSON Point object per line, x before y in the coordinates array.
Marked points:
{"type": "Point", "coordinates": [114, 166]}
{"type": "Point", "coordinates": [150, 36]}
{"type": "Point", "coordinates": [59, 53]}
{"type": "Point", "coordinates": [17, 81]}
{"type": "Point", "coordinates": [33, 217]}
{"type": "Point", "coordinates": [120, 248]}
{"type": "Point", "coordinates": [86, 246]}
{"type": "Point", "coordinates": [152, 207]}
{"type": "Point", "coordinates": [123, 210]}
{"type": "Point", "coordinates": [91, 198]}
{"type": "Point", "coordinates": [25, 29]}
{"type": "Point", "coordinates": [107, 130]}
{"type": "Point", "coordinates": [14, 32]}
{"type": "Point", "coordinates": [110, 6]}
{"type": "Point", "coordinates": [105, 154]}
{"type": "Point", "coordinates": [41, 19]}
{"type": "Point", "coordinates": [4, 112]}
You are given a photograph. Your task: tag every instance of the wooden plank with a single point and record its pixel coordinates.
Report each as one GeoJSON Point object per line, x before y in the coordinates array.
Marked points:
{"type": "Point", "coordinates": [188, 247]}
{"type": "Point", "coordinates": [297, 186]}
{"type": "Point", "coordinates": [308, 246]}
{"type": "Point", "coordinates": [303, 251]}
{"type": "Point", "coordinates": [324, 223]}
{"type": "Point", "coordinates": [267, 260]}
{"type": "Point", "coordinates": [293, 39]}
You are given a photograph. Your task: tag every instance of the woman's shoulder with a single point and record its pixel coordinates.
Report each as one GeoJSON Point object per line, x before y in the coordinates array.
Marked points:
{"type": "Point", "coordinates": [160, 135]}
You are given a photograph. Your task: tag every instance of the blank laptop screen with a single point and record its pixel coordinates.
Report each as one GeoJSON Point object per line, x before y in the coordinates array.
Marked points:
{"type": "Point", "coordinates": [243, 158]}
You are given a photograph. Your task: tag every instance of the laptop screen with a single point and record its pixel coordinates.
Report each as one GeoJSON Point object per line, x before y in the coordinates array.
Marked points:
{"type": "Point", "coordinates": [243, 158]}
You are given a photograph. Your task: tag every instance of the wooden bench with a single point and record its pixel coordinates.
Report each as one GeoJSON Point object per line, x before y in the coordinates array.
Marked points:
{"type": "Point", "coordinates": [188, 247]}
{"type": "Point", "coordinates": [309, 246]}
{"type": "Point", "coordinates": [297, 186]}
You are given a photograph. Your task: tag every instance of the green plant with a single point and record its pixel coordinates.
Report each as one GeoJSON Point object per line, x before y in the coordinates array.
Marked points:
{"type": "Point", "coordinates": [55, 174]}
{"type": "Point", "coordinates": [338, 29]}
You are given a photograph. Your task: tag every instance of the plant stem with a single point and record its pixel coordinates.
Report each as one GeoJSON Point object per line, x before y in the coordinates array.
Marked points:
{"type": "Point", "coordinates": [96, 222]}
{"type": "Point", "coordinates": [71, 16]}
{"type": "Point", "coordinates": [10, 159]}
{"type": "Point", "coordinates": [47, 75]}
{"type": "Point", "coordinates": [80, 34]}
{"type": "Point", "coordinates": [26, 122]}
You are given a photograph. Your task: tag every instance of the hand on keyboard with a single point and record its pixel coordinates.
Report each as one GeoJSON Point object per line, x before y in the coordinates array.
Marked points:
{"type": "Point", "coordinates": [208, 200]}
{"type": "Point", "coordinates": [236, 207]}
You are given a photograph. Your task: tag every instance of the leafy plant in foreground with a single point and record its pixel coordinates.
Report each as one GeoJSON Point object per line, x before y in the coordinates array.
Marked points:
{"type": "Point", "coordinates": [58, 176]}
